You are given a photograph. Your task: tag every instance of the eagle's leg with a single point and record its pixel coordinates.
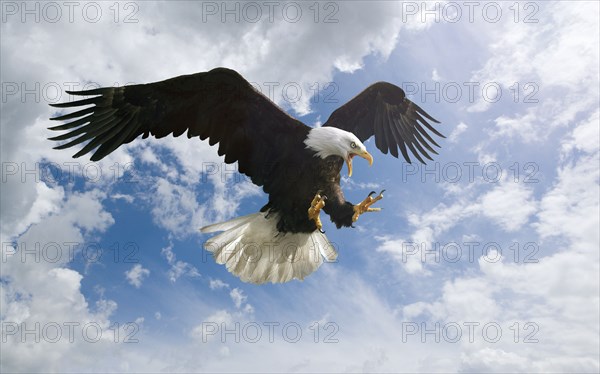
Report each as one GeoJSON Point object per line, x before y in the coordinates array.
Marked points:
{"type": "Point", "coordinates": [365, 205]}
{"type": "Point", "coordinates": [314, 211]}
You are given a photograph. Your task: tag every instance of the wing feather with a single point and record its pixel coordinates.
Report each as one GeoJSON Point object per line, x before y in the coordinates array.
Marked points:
{"type": "Point", "coordinates": [379, 133]}
{"type": "Point", "coordinates": [391, 135]}
{"type": "Point", "coordinates": [219, 105]}
{"type": "Point", "coordinates": [382, 110]}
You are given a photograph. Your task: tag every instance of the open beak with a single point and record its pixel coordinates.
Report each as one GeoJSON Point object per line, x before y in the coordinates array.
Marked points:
{"type": "Point", "coordinates": [364, 154]}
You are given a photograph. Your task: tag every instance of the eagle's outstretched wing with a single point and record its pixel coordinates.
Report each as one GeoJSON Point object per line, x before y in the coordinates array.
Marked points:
{"type": "Point", "coordinates": [219, 105]}
{"type": "Point", "coordinates": [383, 110]}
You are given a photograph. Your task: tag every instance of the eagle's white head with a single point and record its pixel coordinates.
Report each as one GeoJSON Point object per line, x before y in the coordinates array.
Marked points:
{"type": "Point", "coordinates": [331, 141]}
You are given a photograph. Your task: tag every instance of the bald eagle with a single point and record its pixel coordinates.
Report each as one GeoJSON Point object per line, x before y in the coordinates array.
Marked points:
{"type": "Point", "coordinates": [296, 165]}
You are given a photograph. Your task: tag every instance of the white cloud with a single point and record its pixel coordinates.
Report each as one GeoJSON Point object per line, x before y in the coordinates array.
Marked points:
{"type": "Point", "coordinates": [534, 56]}
{"type": "Point", "coordinates": [570, 208]}
{"type": "Point", "coordinates": [37, 288]}
{"type": "Point", "coordinates": [178, 268]}
{"type": "Point", "coordinates": [47, 201]}
{"type": "Point", "coordinates": [238, 297]}
{"type": "Point", "coordinates": [127, 198]}
{"type": "Point", "coordinates": [351, 184]}
{"type": "Point", "coordinates": [136, 275]}
{"type": "Point", "coordinates": [534, 299]}
{"type": "Point", "coordinates": [248, 309]}
{"type": "Point", "coordinates": [324, 326]}
{"type": "Point", "coordinates": [175, 204]}
{"type": "Point", "coordinates": [509, 204]}
{"type": "Point", "coordinates": [217, 284]}
{"type": "Point", "coordinates": [459, 129]}
{"type": "Point", "coordinates": [175, 208]}
{"type": "Point", "coordinates": [403, 252]}
{"type": "Point", "coordinates": [584, 136]}
{"type": "Point", "coordinates": [521, 126]}
{"type": "Point", "coordinates": [218, 318]}
{"type": "Point", "coordinates": [346, 65]}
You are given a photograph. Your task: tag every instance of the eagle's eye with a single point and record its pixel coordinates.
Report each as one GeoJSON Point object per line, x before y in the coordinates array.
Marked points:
{"type": "Point", "coordinates": [353, 145]}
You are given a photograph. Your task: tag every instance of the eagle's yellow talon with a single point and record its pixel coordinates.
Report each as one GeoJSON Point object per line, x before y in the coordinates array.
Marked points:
{"type": "Point", "coordinates": [314, 211]}
{"type": "Point", "coordinates": [365, 205]}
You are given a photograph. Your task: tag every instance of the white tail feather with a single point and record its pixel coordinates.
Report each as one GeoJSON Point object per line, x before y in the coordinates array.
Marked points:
{"type": "Point", "coordinates": [252, 249]}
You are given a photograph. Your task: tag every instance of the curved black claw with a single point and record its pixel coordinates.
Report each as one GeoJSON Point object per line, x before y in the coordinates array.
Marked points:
{"type": "Point", "coordinates": [382, 191]}
{"type": "Point", "coordinates": [322, 231]}
{"type": "Point", "coordinates": [372, 193]}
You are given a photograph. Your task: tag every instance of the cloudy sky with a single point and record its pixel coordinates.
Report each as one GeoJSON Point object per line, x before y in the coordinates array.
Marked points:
{"type": "Point", "coordinates": [483, 261]}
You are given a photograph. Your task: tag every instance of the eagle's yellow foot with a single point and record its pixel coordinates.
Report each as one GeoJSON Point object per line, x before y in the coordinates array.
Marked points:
{"type": "Point", "coordinates": [365, 205]}
{"type": "Point", "coordinates": [314, 211]}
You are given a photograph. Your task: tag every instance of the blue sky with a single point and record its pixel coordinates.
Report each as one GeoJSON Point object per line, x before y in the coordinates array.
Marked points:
{"type": "Point", "coordinates": [486, 260]}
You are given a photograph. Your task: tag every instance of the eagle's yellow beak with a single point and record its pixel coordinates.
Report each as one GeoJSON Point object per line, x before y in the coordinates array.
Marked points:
{"type": "Point", "coordinates": [364, 154]}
